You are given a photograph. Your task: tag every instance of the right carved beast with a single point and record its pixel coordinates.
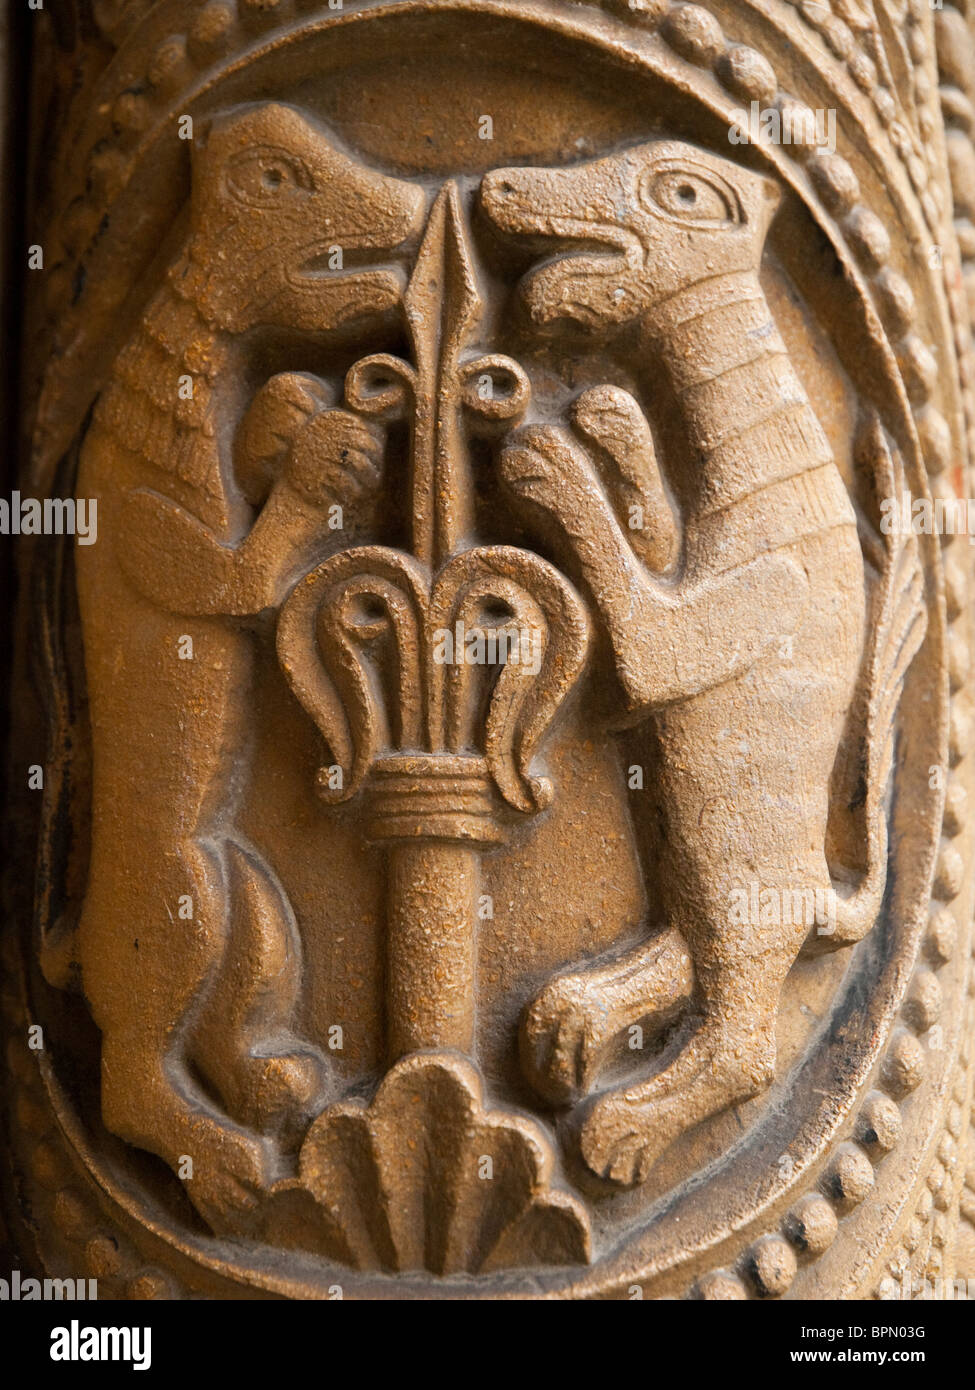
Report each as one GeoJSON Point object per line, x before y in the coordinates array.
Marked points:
{"type": "Point", "coordinates": [747, 657]}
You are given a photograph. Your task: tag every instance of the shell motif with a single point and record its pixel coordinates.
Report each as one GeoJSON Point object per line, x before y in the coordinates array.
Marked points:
{"type": "Point", "coordinates": [426, 1177]}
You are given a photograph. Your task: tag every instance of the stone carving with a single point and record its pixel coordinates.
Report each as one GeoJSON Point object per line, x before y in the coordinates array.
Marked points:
{"type": "Point", "coordinates": [504, 819]}
{"type": "Point", "coordinates": [433, 808]}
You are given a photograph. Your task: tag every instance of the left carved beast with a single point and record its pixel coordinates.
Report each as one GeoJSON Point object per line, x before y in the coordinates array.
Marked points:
{"type": "Point", "coordinates": [188, 951]}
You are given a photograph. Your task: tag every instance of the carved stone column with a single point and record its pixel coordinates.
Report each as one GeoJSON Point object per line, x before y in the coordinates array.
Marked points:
{"type": "Point", "coordinates": [491, 763]}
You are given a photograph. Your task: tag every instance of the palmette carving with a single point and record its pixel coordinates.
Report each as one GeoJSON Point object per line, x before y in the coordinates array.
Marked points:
{"type": "Point", "coordinates": [393, 1202]}
{"type": "Point", "coordinates": [518, 748]}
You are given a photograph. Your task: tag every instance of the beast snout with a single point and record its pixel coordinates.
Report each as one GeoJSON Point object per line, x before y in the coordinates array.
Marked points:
{"type": "Point", "coordinates": [586, 202]}
{"type": "Point", "coordinates": [584, 208]}
{"type": "Point", "coordinates": [508, 202]}
{"type": "Point", "coordinates": [295, 233]}
{"type": "Point", "coordinates": [636, 228]}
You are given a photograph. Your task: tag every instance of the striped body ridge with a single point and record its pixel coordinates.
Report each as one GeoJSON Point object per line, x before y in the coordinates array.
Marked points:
{"type": "Point", "coordinates": [744, 410]}
{"type": "Point", "coordinates": [159, 400]}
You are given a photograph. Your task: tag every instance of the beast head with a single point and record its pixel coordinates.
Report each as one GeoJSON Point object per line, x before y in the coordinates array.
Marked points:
{"type": "Point", "coordinates": [647, 223]}
{"type": "Point", "coordinates": [273, 203]}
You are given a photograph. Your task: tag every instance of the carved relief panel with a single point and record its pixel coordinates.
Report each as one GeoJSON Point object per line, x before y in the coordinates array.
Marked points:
{"type": "Point", "coordinates": [503, 820]}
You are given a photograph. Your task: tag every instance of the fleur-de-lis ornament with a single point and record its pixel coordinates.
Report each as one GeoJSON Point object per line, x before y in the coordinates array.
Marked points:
{"type": "Point", "coordinates": [440, 747]}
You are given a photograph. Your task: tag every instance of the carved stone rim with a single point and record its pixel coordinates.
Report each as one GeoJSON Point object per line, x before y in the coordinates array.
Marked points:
{"type": "Point", "coordinates": [902, 1058]}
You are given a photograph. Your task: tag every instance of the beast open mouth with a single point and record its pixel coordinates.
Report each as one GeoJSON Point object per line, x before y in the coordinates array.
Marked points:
{"type": "Point", "coordinates": [335, 261]}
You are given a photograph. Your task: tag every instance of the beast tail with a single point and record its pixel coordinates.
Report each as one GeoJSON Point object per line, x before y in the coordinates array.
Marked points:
{"type": "Point", "coordinates": [898, 630]}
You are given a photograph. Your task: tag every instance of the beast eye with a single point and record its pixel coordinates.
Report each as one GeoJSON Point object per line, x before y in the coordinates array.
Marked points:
{"type": "Point", "coordinates": [701, 200]}
{"type": "Point", "coordinates": [265, 176]}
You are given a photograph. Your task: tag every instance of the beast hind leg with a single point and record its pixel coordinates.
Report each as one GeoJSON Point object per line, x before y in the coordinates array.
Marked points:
{"type": "Point", "coordinates": [147, 985]}
{"type": "Point", "coordinates": [224, 1168]}
{"type": "Point", "coordinates": [744, 878]}
{"type": "Point", "coordinates": [578, 1019]}
{"type": "Point", "coordinates": [212, 1096]}
{"type": "Point", "coordinates": [725, 1061]}
{"type": "Point", "coordinates": [155, 925]}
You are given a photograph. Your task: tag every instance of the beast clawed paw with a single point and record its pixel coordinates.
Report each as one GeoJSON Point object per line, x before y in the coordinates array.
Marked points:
{"type": "Point", "coordinates": [615, 1143]}
{"type": "Point", "coordinates": [561, 1040]}
{"type": "Point", "coordinates": [229, 1181]}
{"type": "Point", "coordinates": [623, 1133]}
{"type": "Point", "coordinates": [325, 453]}
{"type": "Point", "coordinates": [544, 464]}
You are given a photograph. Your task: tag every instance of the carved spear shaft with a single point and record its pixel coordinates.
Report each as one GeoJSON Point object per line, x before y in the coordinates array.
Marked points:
{"type": "Point", "coordinates": [433, 879]}
{"type": "Point", "coordinates": [432, 890]}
